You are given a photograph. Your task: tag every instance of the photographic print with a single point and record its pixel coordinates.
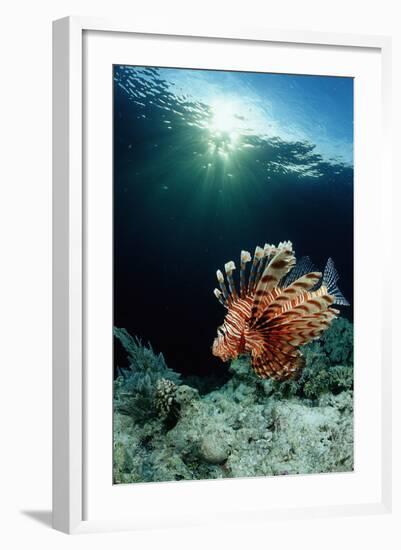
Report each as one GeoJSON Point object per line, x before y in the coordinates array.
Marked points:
{"type": "Point", "coordinates": [233, 274]}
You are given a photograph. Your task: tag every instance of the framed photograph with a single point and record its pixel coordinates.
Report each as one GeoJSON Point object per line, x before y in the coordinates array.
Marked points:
{"type": "Point", "coordinates": [221, 348]}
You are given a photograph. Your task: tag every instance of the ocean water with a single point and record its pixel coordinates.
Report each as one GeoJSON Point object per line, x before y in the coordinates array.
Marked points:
{"type": "Point", "coordinates": [206, 164]}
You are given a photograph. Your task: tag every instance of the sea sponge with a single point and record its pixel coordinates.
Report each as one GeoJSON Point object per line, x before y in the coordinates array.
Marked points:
{"type": "Point", "coordinates": [165, 396]}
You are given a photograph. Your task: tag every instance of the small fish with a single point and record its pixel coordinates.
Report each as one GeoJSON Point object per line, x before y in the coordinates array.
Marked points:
{"type": "Point", "coordinates": [282, 306]}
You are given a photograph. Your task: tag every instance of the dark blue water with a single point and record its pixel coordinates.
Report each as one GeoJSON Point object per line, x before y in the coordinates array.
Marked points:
{"type": "Point", "coordinates": [192, 188]}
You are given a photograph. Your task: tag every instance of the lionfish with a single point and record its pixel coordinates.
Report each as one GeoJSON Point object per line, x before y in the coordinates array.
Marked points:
{"type": "Point", "coordinates": [283, 305]}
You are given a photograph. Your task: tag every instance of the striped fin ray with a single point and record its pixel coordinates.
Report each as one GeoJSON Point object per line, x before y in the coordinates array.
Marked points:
{"type": "Point", "coordinates": [283, 323]}
{"type": "Point", "coordinates": [279, 362]}
{"type": "Point", "coordinates": [297, 334]}
{"type": "Point", "coordinates": [290, 293]}
{"type": "Point", "coordinates": [303, 266]}
{"type": "Point", "coordinates": [306, 321]}
{"type": "Point", "coordinates": [268, 252]}
{"type": "Point", "coordinates": [219, 296]}
{"type": "Point", "coordinates": [245, 258]}
{"type": "Point", "coordinates": [258, 255]}
{"type": "Point", "coordinates": [229, 268]}
{"type": "Point", "coordinates": [303, 307]}
{"type": "Point", "coordinates": [267, 368]}
{"type": "Point", "coordinates": [273, 273]}
{"type": "Point", "coordinates": [309, 305]}
{"type": "Point", "coordinates": [223, 288]}
{"type": "Point", "coordinates": [270, 297]}
{"type": "Point", "coordinates": [330, 278]}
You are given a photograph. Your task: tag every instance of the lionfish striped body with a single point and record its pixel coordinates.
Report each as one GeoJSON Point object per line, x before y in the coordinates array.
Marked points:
{"type": "Point", "coordinates": [283, 306]}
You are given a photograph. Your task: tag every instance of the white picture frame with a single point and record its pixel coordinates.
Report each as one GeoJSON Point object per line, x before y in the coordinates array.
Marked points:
{"type": "Point", "coordinates": [72, 254]}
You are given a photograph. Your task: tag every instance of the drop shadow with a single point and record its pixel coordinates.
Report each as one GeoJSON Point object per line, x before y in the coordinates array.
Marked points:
{"type": "Point", "coordinates": [41, 516]}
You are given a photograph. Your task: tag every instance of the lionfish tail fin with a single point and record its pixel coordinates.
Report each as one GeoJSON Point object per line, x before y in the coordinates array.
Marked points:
{"type": "Point", "coordinates": [330, 278]}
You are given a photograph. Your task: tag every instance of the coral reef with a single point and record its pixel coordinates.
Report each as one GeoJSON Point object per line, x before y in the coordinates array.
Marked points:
{"type": "Point", "coordinates": [247, 427]}
{"type": "Point", "coordinates": [165, 396]}
{"type": "Point", "coordinates": [135, 387]}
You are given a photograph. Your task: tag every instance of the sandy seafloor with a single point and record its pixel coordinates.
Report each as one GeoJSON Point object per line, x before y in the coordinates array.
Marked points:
{"type": "Point", "coordinates": [168, 428]}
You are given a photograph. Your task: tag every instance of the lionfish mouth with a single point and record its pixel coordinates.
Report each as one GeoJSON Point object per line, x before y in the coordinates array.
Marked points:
{"type": "Point", "coordinates": [281, 305]}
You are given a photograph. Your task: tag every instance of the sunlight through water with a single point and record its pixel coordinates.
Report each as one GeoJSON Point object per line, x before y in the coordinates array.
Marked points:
{"type": "Point", "coordinates": [226, 127]}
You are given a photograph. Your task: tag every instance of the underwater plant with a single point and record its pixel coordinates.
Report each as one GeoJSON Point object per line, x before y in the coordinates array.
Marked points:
{"type": "Point", "coordinates": [137, 386]}
{"type": "Point", "coordinates": [284, 305]}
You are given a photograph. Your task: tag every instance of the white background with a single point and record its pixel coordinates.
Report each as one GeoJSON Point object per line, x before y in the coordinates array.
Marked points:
{"type": "Point", "coordinates": [239, 498]}
{"type": "Point", "coordinates": [25, 220]}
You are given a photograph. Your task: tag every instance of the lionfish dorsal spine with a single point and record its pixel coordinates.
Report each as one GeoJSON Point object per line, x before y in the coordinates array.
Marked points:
{"type": "Point", "coordinates": [245, 258]}
{"type": "Point", "coordinates": [258, 255]}
{"type": "Point", "coordinates": [229, 268]}
{"type": "Point", "coordinates": [275, 270]}
{"type": "Point", "coordinates": [223, 288]}
{"type": "Point", "coordinates": [219, 296]}
{"type": "Point", "coordinates": [261, 267]}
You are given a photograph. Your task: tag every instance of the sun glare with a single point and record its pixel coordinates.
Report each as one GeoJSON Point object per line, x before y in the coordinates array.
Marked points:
{"type": "Point", "coordinates": [224, 127]}
{"type": "Point", "coordinates": [224, 118]}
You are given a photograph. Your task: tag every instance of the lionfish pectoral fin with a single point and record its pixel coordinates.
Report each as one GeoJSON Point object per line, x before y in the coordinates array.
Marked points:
{"type": "Point", "coordinates": [330, 278]}
{"type": "Point", "coordinates": [284, 298]}
{"type": "Point", "coordinates": [297, 367]}
{"type": "Point", "coordinates": [287, 367]}
{"type": "Point", "coordinates": [241, 345]}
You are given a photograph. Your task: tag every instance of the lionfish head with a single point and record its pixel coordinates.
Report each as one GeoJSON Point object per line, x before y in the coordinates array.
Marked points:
{"type": "Point", "coordinates": [219, 349]}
